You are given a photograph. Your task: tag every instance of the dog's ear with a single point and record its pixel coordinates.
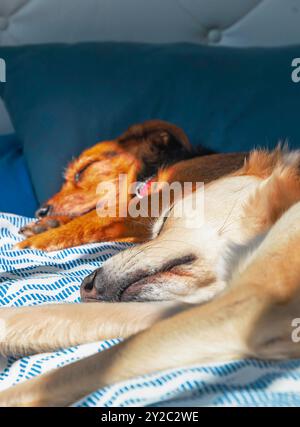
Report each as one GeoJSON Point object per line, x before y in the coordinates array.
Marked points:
{"type": "Point", "coordinates": [158, 132]}
{"type": "Point", "coordinates": [157, 142]}
{"type": "Point", "coordinates": [166, 134]}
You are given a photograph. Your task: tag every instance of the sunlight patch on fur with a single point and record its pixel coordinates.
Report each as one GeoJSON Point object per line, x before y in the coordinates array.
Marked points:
{"type": "Point", "coordinates": [236, 258]}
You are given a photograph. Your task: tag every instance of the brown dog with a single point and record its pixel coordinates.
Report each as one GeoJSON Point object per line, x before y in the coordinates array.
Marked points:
{"type": "Point", "coordinates": [70, 219]}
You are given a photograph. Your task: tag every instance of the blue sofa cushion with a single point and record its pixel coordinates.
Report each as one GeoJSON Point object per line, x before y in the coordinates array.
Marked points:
{"type": "Point", "coordinates": [17, 194]}
{"type": "Point", "coordinates": [63, 98]}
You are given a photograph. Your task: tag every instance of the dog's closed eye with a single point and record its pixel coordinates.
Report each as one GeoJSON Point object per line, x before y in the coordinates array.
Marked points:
{"type": "Point", "coordinates": [106, 155]}
{"type": "Point", "coordinates": [78, 174]}
{"type": "Point", "coordinates": [77, 177]}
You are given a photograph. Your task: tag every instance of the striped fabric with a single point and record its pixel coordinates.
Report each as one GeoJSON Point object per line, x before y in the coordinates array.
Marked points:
{"type": "Point", "coordinates": [31, 277]}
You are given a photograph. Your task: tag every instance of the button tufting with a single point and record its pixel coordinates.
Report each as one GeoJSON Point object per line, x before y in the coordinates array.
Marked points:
{"type": "Point", "coordinates": [3, 23]}
{"type": "Point", "coordinates": [214, 35]}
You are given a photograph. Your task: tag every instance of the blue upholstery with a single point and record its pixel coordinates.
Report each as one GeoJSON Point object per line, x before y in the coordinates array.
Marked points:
{"type": "Point", "coordinates": [17, 195]}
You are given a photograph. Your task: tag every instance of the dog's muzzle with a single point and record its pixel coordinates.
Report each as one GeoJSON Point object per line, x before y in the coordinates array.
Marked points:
{"type": "Point", "coordinates": [95, 287]}
{"type": "Point", "coordinates": [111, 285]}
{"type": "Point", "coordinates": [101, 285]}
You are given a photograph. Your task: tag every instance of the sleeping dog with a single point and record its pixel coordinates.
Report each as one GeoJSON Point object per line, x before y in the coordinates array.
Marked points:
{"type": "Point", "coordinates": [239, 268]}
{"type": "Point", "coordinates": [69, 218]}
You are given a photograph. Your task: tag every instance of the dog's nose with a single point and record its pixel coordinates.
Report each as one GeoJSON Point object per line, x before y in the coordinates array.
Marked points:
{"type": "Point", "coordinates": [98, 287]}
{"type": "Point", "coordinates": [43, 211]}
{"type": "Point", "coordinates": [88, 289]}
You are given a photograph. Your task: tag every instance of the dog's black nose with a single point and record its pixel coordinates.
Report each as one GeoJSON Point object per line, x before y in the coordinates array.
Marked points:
{"type": "Point", "coordinates": [97, 287]}
{"type": "Point", "coordinates": [43, 211]}
{"type": "Point", "coordinates": [88, 289]}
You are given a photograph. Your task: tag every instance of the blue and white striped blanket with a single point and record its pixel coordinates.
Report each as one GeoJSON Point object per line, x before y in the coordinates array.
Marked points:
{"type": "Point", "coordinates": [32, 277]}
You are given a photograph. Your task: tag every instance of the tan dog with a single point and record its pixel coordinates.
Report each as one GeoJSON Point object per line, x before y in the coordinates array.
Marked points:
{"type": "Point", "coordinates": [246, 252]}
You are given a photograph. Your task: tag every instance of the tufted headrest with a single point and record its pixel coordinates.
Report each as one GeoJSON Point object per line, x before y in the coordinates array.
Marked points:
{"type": "Point", "coordinates": [230, 22]}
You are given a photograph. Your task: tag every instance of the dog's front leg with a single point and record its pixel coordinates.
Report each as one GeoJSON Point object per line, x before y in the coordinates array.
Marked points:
{"type": "Point", "coordinates": [89, 228]}
{"type": "Point", "coordinates": [29, 330]}
{"type": "Point", "coordinates": [44, 224]}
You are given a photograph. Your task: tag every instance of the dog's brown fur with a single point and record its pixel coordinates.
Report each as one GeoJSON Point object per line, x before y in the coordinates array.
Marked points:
{"type": "Point", "coordinates": [251, 317]}
{"type": "Point", "coordinates": [71, 217]}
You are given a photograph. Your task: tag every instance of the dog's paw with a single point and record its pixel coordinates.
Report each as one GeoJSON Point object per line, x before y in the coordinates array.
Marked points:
{"type": "Point", "coordinates": [40, 226]}
{"type": "Point", "coordinates": [44, 242]}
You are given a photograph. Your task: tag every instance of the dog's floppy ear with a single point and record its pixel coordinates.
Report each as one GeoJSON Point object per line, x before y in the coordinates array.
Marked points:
{"type": "Point", "coordinates": [156, 131]}
{"type": "Point", "coordinates": [156, 143]}
{"type": "Point", "coordinates": [166, 134]}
